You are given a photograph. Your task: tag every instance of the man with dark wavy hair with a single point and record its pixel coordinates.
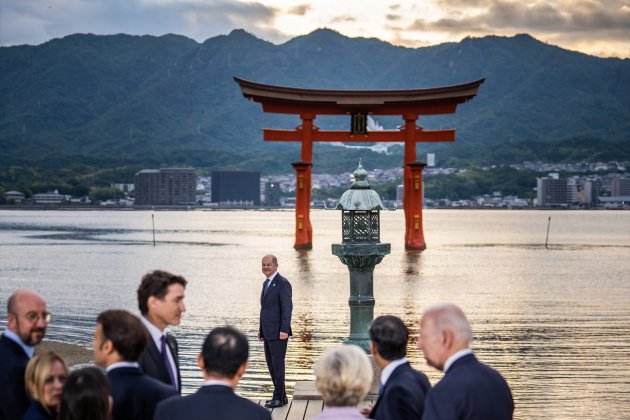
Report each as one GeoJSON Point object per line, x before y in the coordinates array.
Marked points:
{"type": "Point", "coordinates": [119, 339]}
{"type": "Point", "coordinates": [223, 360]}
{"type": "Point", "coordinates": [161, 303]}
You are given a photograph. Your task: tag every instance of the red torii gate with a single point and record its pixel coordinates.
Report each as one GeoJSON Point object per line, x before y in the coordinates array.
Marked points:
{"type": "Point", "coordinates": [410, 104]}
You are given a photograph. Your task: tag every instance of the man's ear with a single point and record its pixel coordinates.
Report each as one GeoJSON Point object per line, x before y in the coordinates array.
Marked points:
{"type": "Point", "coordinates": [200, 363]}
{"type": "Point", "coordinates": [108, 347]}
{"type": "Point", "coordinates": [241, 370]}
{"type": "Point", "coordinates": [12, 321]}
{"type": "Point", "coordinates": [448, 339]}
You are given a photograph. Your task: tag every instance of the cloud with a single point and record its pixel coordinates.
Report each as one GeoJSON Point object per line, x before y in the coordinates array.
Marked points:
{"type": "Point", "coordinates": [392, 17]}
{"type": "Point", "coordinates": [576, 16]}
{"type": "Point", "coordinates": [299, 10]}
{"type": "Point", "coordinates": [34, 21]}
{"type": "Point", "coordinates": [343, 18]}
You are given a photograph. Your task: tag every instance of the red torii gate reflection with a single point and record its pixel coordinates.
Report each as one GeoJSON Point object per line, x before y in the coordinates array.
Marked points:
{"type": "Point", "coordinates": [410, 104]}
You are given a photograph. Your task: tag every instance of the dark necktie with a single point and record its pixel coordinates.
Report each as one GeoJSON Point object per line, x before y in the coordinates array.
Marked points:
{"type": "Point", "coordinates": [266, 286]}
{"type": "Point", "coordinates": [167, 363]}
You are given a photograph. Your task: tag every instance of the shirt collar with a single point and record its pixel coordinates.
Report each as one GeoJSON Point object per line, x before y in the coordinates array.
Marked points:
{"type": "Point", "coordinates": [272, 276]}
{"type": "Point", "coordinates": [217, 382]}
{"type": "Point", "coordinates": [389, 369]}
{"type": "Point", "coordinates": [154, 331]}
{"type": "Point", "coordinates": [455, 357]}
{"type": "Point", "coordinates": [122, 365]}
{"type": "Point", "coordinates": [29, 350]}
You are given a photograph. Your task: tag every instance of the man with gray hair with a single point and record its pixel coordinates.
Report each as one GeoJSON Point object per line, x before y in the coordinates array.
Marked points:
{"type": "Point", "coordinates": [27, 320]}
{"type": "Point", "coordinates": [469, 389]}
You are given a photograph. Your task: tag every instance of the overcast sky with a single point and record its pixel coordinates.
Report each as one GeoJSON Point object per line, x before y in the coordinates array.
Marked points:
{"type": "Point", "coordinates": [599, 27]}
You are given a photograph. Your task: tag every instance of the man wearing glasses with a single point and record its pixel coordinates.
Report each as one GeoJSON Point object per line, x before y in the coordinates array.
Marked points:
{"type": "Point", "coordinates": [27, 319]}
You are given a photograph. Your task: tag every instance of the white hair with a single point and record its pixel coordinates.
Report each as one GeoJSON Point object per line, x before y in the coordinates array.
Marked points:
{"type": "Point", "coordinates": [343, 375]}
{"type": "Point", "coordinates": [448, 316]}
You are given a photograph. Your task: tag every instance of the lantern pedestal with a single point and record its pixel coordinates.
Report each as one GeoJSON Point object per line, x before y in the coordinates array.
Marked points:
{"type": "Point", "coordinates": [361, 258]}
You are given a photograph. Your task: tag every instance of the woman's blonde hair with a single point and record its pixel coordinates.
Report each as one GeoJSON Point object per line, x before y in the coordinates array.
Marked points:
{"type": "Point", "coordinates": [37, 370]}
{"type": "Point", "coordinates": [343, 375]}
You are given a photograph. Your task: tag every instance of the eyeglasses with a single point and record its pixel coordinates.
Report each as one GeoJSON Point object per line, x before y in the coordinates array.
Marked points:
{"type": "Point", "coordinates": [35, 316]}
{"type": "Point", "coordinates": [49, 380]}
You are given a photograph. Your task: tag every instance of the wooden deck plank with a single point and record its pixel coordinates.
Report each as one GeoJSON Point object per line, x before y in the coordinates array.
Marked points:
{"type": "Point", "coordinates": [297, 410]}
{"type": "Point", "coordinates": [281, 413]}
{"type": "Point", "coordinates": [313, 408]}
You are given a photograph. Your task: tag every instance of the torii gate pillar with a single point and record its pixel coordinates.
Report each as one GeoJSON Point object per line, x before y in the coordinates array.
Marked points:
{"type": "Point", "coordinates": [413, 199]}
{"type": "Point", "coordinates": [303, 228]}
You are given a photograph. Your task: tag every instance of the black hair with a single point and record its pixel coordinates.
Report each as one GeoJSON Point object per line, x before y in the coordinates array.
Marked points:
{"type": "Point", "coordinates": [125, 331]}
{"type": "Point", "coordinates": [224, 351]}
{"type": "Point", "coordinates": [85, 396]}
{"type": "Point", "coordinates": [390, 335]}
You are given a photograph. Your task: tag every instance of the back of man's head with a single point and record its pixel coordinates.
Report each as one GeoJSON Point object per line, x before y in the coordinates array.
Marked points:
{"type": "Point", "coordinates": [389, 334]}
{"type": "Point", "coordinates": [156, 284]}
{"type": "Point", "coordinates": [224, 351]}
{"type": "Point", "coordinates": [125, 331]}
{"type": "Point", "coordinates": [448, 316]}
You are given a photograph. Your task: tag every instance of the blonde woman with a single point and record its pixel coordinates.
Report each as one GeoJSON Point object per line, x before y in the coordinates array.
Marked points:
{"type": "Point", "coordinates": [343, 375]}
{"type": "Point", "coordinates": [44, 379]}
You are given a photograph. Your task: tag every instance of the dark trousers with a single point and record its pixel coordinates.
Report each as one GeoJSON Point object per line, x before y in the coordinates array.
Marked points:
{"type": "Point", "coordinates": [275, 351]}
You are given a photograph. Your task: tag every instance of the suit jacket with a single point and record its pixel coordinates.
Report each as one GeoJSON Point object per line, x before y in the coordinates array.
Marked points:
{"type": "Point", "coordinates": [152, 363]}
{"type": "Point", "coordinates": [470, 390]}
{"type": "Point", "coordinates": [135, 394]}
{"type": "Point", "coordinates": [210, 402]}
{"type": "Point", "coordinates": [13, 398]}
{"type": "Point", "coordinates": [37, 412]}
{"type": "Point", "coordinates": [275, 309]}
{"type": "Point", "coordinates": [403, 395]}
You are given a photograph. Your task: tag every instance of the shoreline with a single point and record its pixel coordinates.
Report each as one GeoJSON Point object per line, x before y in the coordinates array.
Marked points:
{"type": "Point", "coordinates": [73, 354]}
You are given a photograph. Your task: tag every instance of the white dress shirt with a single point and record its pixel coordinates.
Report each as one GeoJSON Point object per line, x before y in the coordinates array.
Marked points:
{"type": "Point", "coordinates": [389, 369]}
{"type": "Point", "coordinates": [121, 365]}
{"type": "Point", "coordinates": [454, 357]}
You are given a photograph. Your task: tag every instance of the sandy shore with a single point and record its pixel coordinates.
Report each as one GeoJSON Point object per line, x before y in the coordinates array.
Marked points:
{"type": "Point", "coordinates": [73, 354]}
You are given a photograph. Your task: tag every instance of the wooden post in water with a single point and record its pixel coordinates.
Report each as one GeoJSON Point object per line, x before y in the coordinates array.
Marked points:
{"type": "Point", "coordinates": [153, 225]}
{"type": "Point", "coordinates": [547, 237]}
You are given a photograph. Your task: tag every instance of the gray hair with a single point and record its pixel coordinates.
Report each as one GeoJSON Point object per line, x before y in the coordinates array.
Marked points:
{"type": "Point", "coordinates": [448, 316]}
{"type": "Point", "coordinates": [343, 375]}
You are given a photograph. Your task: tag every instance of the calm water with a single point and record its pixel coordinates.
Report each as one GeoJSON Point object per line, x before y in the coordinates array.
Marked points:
{"type": "Point", "coordinates": [555, 322]}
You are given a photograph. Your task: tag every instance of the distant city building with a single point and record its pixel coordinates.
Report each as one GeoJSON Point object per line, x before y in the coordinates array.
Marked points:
{"type": "Point", "coordinates": [14, 197]}
{"type": "Point", "coordinates": [620, 187]}
{"type": "Point", "coordinates": [49, 198]}
{"type": "Point", "coordinates": [430, 160]}
{"type": "Point", "coordinates": [231, 187]}
{"type": "Point", "coordinates": [400, 192]}
{"type": "Point", "coordinates": [273, 193]}
{"type": "Point", "coordinates": [552, 191]}
{"type": "Point", "coordinates": [126, 188]}
{"type": "Point", "coordinates": [169, 186]}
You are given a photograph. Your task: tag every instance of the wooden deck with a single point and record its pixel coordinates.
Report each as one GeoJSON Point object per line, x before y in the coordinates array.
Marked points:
{"type": "Point", "coordinates": [306, 403]}
{"type": "Point", "coordinates": [302, 409]}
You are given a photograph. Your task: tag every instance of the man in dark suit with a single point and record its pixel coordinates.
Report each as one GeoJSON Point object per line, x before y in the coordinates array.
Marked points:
{"type": "Point", "coordinates": [223, 360]}
{"type": "Point", "coordinates": [27, 320]}
{"type": "Point", "coordinates": [119, 339]}
{"type": "Point", "coordinates": [402, 389]}
{"type": "Point", "coordinates": [275, 326]}
{"type": "Point", "coordinates": [161, 303]}
{"type": "Point", "coordinates": [469, 389]}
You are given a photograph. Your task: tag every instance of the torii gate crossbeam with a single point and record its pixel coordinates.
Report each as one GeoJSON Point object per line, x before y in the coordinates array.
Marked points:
{"type": "Point", "coordinates": [409, 104]}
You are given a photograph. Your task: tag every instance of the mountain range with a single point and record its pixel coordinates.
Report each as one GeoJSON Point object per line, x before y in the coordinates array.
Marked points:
{"type": "Point", "coordinates": [118, 100]}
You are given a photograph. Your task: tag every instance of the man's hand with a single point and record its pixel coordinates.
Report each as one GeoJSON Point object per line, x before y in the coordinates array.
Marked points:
{"type": "Point", "coordinates": [367, 410]}
{"type": "Point", "coordinates": [283, 335]}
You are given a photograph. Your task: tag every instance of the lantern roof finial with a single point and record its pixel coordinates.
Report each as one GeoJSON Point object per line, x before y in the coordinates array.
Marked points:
{"type": "Point", "coordinates": [360, 196]}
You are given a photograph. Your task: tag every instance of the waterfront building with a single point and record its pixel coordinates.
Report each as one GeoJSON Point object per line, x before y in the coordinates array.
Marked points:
{"type": "Point", "coordinates": [51, 197]}
{"type": "Point", "coordinates": [168, 186]}
{"type": "Point", "coordinates": [14, 197]}
{"type": "Point", "coordinates": [235, 186]}
{"type": "Point", "coordinates": [620, 187]}
{"type": "Point", "coordinates": [273, 193]}
{"type": "Point", "coordinates": [552, 191]}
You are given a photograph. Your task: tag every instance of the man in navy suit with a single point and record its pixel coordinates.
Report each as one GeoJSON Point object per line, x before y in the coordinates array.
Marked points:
{"type": "Point", "coordinates": [275, 326]}
{"type": "Point", "coordinates": [27, 320]}
{"type": "Point", "coordinates": [402, 389]}
{"type": "Point", "coordinates": [119, 339]}
{"type": "Point", "coordinates": [469, 389]}
{"type": "Point", "coordinates": [161, 303]}
{"type": "Point", "coordinates": [223, 360]}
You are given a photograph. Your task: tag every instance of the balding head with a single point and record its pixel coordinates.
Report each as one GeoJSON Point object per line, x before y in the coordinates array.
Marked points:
{"type": "Point", "coordinates": [444, 330]}
{"type": "Point", "coordinates": [27, 316]}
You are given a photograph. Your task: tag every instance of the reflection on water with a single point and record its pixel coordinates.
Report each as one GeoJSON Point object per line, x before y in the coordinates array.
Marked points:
{"type": "Point", "coordinates": [555, 322]}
